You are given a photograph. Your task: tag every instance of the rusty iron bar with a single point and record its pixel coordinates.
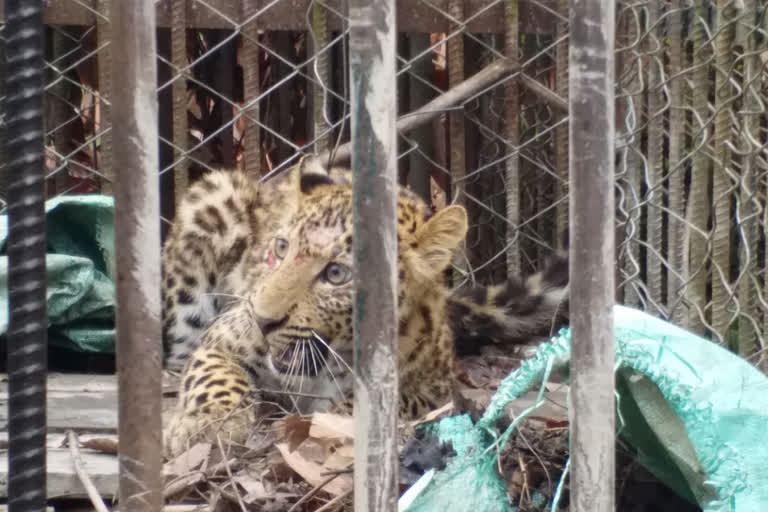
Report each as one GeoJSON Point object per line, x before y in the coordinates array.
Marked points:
{"type": "Point", "coordinates": [27, 340]}
{"type": "Point", "coordinates": [179, 92]}
{"type": "Point", "coordinates": [512, 119]}
{"type": "Point", "coordinates": [561, 133]}
{"type": "Point", "coordinates": [592, 211]}
{"type": "Point", "coordinates": [457, 151]}
{"type": "Point", "coordinates": [251, 85]}
{"type": "Point", "coordinates": [137, 233]}
{"type": "Point", "coordinates": [104, 37]}
{"type": "Point", "coordinates": [372, 44]}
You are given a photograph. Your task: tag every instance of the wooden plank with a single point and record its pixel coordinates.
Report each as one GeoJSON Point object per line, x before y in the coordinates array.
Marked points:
{"type": "Point", "coordinates": [412, 16]}
{"type": "Point", "coordinates": [84, 403]}
{"type": "Point", "coordinates": [62, 481]}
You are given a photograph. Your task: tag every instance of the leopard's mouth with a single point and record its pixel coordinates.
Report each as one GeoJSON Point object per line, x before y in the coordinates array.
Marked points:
{"type": "Point", "coordinates": [305, 358]}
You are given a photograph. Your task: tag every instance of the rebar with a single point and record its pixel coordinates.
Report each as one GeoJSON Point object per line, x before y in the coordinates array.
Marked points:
{"type": "Point", "coordinates": [27, 339]}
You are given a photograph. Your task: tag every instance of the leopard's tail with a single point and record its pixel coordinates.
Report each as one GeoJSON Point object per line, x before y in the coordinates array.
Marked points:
{"type": "Point", "coordinates": [517, 311]}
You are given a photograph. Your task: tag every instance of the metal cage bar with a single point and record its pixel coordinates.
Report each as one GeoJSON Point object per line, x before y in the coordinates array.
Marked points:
{"type": "Point", "coordinates": [28, 321]}
{"type": "Point", "coordinates": [374, 162]}
{"type": "Point", "coordinates": [592, 134]}
{"type": "Point", "coordinates": [137, 231]}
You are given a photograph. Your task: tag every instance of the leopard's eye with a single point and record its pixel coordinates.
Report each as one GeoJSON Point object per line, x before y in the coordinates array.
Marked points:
{"type": "Point", "coordinates": [281, 248]}
{"type": "Point", "coordinates": [337, 274]}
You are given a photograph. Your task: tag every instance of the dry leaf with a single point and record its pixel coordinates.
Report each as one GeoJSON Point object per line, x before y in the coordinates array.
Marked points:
{"type": "Point", "coordinates": [314, 473]}
{"type": "Point", "coordinates": [188, 461]}
{"type": "Point", "coordinates": [294, 429]}
{"type": "Point", "coordinates": [431, 416]}
{"type": "Point", "coordinates": [101, 444]}
{"type": "Point", "coordinates": [332, 426]}
{"type": "Point", "coordinates": [253, 488]}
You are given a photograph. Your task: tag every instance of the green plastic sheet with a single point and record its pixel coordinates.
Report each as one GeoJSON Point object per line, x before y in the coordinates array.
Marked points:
{"type": "Point", "coordinates": [80, 268]}
{"type": "Point", "coordinates": [696, 414]}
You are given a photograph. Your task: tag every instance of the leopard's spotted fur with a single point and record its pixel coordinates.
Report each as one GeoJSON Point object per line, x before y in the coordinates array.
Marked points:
{"type": "Point", "coordinates": [289, 333]}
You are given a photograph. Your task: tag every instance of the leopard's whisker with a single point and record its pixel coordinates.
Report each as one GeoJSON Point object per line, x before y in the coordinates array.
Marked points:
{"type": "Point", "coordinates": [333, 375]}
{"type": "Point", "coordinates": [331, 351]}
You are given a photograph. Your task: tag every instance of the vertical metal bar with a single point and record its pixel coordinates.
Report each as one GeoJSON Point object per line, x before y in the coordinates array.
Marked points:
{"type": "Point", "coordinates": [137, 230]}
{"type": "Point", "coordinates": [180, 129]}
{"type": "Point", "coordinates": [27, 324]}
{"type": "Point", "coordinates": [251, 87]}
{"type": "Point", "coordinates": [456, 131]}
{"type": "Point", "coordinates": [320, 72]}
{"type": "Point", "coordinates": [3, 131]}
{"type": "Point", "coordinates": [104, 37]}
{"type": "Point", "coordinates": [655, 135]}
{"type": "Point", "coordinates": [676, 169]}
{"type": "Point", "coordinates": [592, 132]}
{"type": "Point", "coordinates": [561, 133]}
{"type": "Point", "coordinates": [749, 338]}
{"type": "Point", "coordinates": [699, 205]}
{"type": "Point", "coordinates": [372, 43]}
{"type": "Point", "coordinates": [512, 113]}
{"type": "Point", "coordinates": [722, 188]}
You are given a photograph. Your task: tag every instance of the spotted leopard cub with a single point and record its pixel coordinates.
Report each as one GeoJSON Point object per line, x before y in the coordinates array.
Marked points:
{"type": "Point", "coordinates": [214, 253]}
{"type": "Point", "coordinates": [290, 339]}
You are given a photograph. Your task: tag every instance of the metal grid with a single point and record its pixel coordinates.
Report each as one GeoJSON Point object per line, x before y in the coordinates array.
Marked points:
{"type": "Point", "coordinates": [252, 85]}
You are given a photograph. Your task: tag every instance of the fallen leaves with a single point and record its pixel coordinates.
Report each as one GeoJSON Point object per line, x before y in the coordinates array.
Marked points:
{"type": "Point", "coordinates": [320, 450]}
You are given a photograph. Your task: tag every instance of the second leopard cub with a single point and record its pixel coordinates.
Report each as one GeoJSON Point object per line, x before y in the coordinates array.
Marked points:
{"type": "Point", "coordinates": [290, 338]}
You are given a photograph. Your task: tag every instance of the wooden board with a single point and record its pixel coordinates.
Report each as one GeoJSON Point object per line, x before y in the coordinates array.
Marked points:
{"type": "Point", "coordinates": [86, 404]}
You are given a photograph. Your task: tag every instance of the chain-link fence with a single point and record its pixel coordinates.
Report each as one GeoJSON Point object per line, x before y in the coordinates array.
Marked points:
{"type": "Point", "coordinates": [254, 84]}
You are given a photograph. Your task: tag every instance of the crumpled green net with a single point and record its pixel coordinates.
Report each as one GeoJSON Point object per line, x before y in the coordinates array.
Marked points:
{"type": "Point", "coordinates": [696, 414]}
{"type": "Point", "coordinates": [80, 269]}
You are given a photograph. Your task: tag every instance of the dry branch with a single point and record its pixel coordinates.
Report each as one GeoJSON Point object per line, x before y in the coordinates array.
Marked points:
{"type": "Point", "coordinates": [77, 461]}
{"type": "Point", "coordinates": [450, 99]}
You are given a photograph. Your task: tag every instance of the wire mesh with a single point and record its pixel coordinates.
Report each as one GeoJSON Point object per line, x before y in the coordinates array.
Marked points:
{"type": "Point", "coordinates": [254, 85]}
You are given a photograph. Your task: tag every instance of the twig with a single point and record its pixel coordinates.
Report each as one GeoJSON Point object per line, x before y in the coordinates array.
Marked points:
{"type": "Point", "coordinates": [77, 460]}
{"type": "Point", "coordinates": [231, 478]}
{"type": "Point", "coordinates": [183, 483]}
{"type": "Point", "coordinates": [334, 501]}
{"type": "Point", "coordinates": [312, 492]}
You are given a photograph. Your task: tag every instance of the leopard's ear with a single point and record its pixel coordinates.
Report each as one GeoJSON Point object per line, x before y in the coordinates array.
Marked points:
{"type": "Point", "coordinates": [438, 239]}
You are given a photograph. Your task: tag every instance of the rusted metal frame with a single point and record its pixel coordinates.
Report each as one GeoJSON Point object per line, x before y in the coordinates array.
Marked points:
{"type": "Point", "coordinates": [592, 212]}
{"type": "Point", "coordinates": [676, 177]}
{"type": "Point", "coordinates": [750, 337]}
{"type": "Point", "coordinates": [561, 134]}
{"type": "Point", "coordinates": [457, 158]}
{"type": "Point", "coordinates": [290, 15]}
{"type": "Point", "coordinates": [512, 121]}
{"type": "Point", "coordinates": [699, 206]}
{"type": "Point", "coordinates": [251, 86]}
{"type": "Point", "coordinates": [179, 93]}
{"type": "Point", "coordinates": [722, 183]}
{"type": "Point", "coordinates": [373, 38]}
{"type": "Point", "coordinates": [104, 41]}
{"type": "Point", "coordinates": [137, 231]}
{"type": "Point", "coordinates": [654, 44]}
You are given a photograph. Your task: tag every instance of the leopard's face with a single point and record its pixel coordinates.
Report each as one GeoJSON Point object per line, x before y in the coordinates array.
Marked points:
{"type": "Point", "coordinates": [304, 305]}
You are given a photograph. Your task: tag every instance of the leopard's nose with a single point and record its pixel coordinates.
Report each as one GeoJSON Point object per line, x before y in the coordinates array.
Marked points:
{"type": "Point", "coordinates": [268, 325]}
